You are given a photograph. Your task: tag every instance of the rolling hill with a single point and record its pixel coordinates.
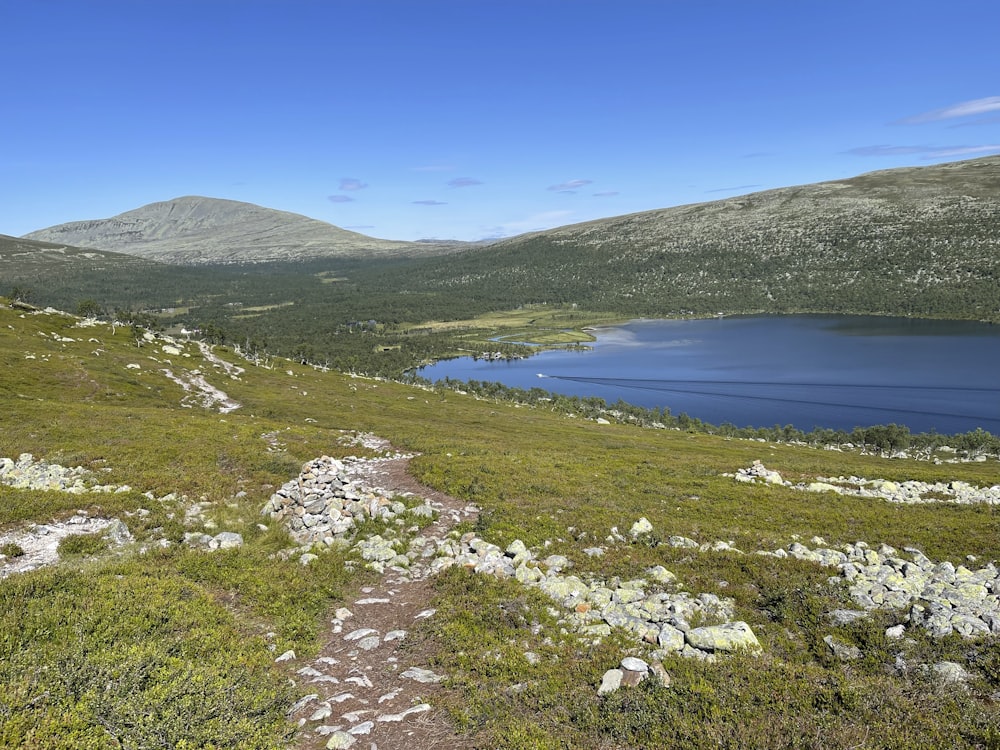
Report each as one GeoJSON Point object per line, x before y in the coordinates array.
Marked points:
{"type": "Point", "coordinates": [920, 241]}
{"type": "Point", "coordinates": [197, 230]}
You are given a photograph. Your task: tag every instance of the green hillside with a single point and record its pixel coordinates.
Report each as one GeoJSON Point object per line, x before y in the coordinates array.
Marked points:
{"type": "Point", "coordinates": [154, 642]}
{"type": "Point", "coordinates": [916, 241]}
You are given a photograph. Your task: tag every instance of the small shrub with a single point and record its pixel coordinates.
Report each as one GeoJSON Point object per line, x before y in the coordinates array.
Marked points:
{"type": "Point", "coordinates": [10, 549]}
{"type": "Point", "coordinates": [82, 544]}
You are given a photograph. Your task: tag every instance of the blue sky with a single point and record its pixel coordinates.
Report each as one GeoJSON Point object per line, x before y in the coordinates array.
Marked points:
{"type": "Point", "coordinates": [470, 119]}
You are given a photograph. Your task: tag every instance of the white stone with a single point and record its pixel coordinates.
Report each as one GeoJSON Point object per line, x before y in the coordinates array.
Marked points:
{"type": "Point", "coordinates": [610, 682]}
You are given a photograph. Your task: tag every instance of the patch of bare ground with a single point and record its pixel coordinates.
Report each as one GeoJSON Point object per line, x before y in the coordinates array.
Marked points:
{"type": "Point", "coordinates": [365, 690]}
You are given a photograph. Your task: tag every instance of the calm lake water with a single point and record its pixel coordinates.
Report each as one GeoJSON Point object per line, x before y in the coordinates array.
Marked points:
{"type": "Point", "coordinates": [808, 371]}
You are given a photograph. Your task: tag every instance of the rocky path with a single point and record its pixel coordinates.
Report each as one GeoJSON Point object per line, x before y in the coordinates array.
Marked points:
{"type": "Point", "coordinates": [364, 690]}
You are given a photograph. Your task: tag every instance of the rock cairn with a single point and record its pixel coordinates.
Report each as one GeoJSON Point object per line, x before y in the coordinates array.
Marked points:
{"type": "Point", "coordinates": [330, 498]}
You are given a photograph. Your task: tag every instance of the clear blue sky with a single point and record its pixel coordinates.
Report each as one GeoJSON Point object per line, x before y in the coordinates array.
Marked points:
{"type": "Point", "coordinates": [467, 119]}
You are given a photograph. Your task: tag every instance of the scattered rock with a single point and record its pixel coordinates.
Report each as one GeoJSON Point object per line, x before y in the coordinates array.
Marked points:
{"type": "Point", "coordinates": [730, 636]}
{"type": "Point", "coordinates": [839, 617]}
{"type": "Point", "coordinates": [640, 528]}
{"type": "Point", "coordinates": [341, 740]}
{"type": "Point", "coordinates": [841, 650]}
{"type": "Point", "coordinates": [421, 675]}
{"type": "Point", "coordinates": [611, 681]}
{"type": "Point", "coordinates": [950, 673]}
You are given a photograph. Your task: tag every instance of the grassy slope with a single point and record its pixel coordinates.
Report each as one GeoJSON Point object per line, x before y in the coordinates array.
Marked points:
{"type": "Point", "coordinates": [170, 646]}
{"type": "Point", "coordinates": [918, 241]}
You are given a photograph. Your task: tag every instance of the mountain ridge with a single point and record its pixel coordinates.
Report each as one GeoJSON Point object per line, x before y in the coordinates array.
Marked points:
{"type": "Point", "coordinates": [197, 229]}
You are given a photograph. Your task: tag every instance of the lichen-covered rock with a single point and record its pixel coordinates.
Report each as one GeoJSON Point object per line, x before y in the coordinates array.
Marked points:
{"type": "Point", "coordinates": [641, 528]}
{"type": "Point", "coordinates": [730, 636]}
{"type": "Point", "coordinates": [226, 540]}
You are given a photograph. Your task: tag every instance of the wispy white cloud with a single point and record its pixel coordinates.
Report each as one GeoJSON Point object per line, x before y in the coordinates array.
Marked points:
{"type": "Point", "coordinates": [570, 186]}
{"type": "Point", "coordinates": [976, 122]}
{"type": "Point", "coordinates": [533, 223]}
{"type": "Point", "coordinates": [606, 194]}
{"type": "Point", "coordinates": [732, 189]}
{"type": "Point", "coordinates": [339, 198]}
{"type": "Point", "coordinates": [970, 108]}
{"type": "Point", "coordinates": [431, 203]}
{"type": "Point", "coordinates": [352, 184]}
{"type": "Point", "coordinates": [962, 151]}
{"type": "Point", "coordinates": [461, 182]}
{"type": "Point", "coordinates": [927, 152]}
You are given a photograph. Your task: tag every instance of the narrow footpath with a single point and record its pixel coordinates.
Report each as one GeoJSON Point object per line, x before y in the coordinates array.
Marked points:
{"type": "Point", "coordinates": [363, 692]}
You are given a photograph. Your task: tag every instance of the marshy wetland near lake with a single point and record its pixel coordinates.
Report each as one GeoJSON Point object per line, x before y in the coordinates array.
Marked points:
{"type": "Point", "coordinates": [807, 370]}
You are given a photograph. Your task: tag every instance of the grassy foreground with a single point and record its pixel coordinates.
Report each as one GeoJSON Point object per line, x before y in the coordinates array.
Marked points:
{"type": "Point", "coordinates": [175, 647]}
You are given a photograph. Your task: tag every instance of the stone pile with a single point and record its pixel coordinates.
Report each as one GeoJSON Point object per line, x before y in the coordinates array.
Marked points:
{"type": "Point", "coordinates": [28, 474]}
{"type": "Point", "coordinates": [939, 597]}
{"type": "Point", "coordinates": [330, 498]}
{"type": "Point", "coordinates": [650, 607]}
{"type": "Point", "coordinates": [909, 492]}
{"type": "Point", "coordinates": [759, 473]}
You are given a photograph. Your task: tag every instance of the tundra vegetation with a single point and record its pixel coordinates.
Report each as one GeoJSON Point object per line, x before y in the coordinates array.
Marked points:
{"type": "Point", "coordinates": [155, 643]}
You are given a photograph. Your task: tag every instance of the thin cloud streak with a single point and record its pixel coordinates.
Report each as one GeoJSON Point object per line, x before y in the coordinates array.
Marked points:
{"type": "Point", "coordinates": [606, 194]}
{"type": "Point", "coordinates": [927, 152]}
{"type": "Point", "coordinates": [975, 123]}
{"type": "Point", "coordinates": [732, 189]}
{"type": "Point", "coordinates": [352, 184]}
{"type": "Point", "coordinates": [533, 223]}
{"type": "Point", "coordinates": [962, 109]}
{"type": "Point", "coordinates": [430, 203]}
{"type": "Point", "coordinates": [339, 198]}
{"type": "Point", "coordinates": [461, 182]}
{"type": "Point", "coordinates": [570, 186]}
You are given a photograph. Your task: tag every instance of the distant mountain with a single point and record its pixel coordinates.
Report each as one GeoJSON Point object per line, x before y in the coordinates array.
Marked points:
{"type": "Point", "coordinates": [194, 229]}
{"type": "Point", "coordinates": [922, 241]}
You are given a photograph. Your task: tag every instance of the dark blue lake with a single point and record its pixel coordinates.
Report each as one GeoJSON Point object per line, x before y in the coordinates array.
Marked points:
{"type": "Point", "coordinates": [808, 371]}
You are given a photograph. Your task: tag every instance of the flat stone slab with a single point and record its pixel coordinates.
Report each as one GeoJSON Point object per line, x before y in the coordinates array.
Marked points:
{"type": "Point", "coordinates": [357, 635]}
{"type": "Point", "coordinates": [730, 636]}
{"type": "Point", "coordinates": [421, 675]}
{"type": "Point", "coordinates": [418, 709]}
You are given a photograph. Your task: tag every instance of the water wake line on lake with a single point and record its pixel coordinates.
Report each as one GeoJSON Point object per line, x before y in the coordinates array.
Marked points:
{"type": "Point", "coordinates": [680, 386]}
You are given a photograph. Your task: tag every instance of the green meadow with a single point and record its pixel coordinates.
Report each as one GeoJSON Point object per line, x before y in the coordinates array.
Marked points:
{"type": "Point", "coordinates": [166, 646]}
